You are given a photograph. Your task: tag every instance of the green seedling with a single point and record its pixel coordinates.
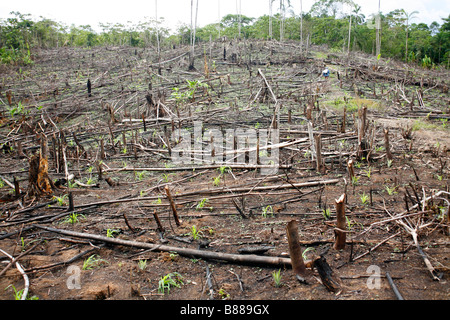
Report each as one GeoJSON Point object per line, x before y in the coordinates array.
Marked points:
{"type": "Point", "coordinates": [390, 191]}
{"type": "Point", "coordinates": [267, 210]}
{"type": "Point", "coordinates": [217, 180]}
{"type": "Point", "coordinates": [195, 233]}
{"type": "Point", "coordinates": [223, 294]}
{"type": "Point", "coordinates": [355, 180]}
{"type": "Point", "coordinates": [368, 172]}
{"type": "Point", "coordinates": [92, 261]}
{"type": "Point", "coordinates": [111, 233]}
{"type": "Point", "coordinates": [364, 198]}
{"type": "Point", "coordinates": [326, 213]}
{"type": "Point", "coordinates": [276, 275]}
{"type": "Point", "coordinates": [139, 176]}
{"type": "Point", "coordinates": [173, 279]}
{"type": "Point", "coordinates": [19, 293]}
{"type": "Point", "coordinates": [202, 203]}
{"type": "Point", "coordinates": [62, 201]}
{"type": "Point", "coordinates": [142, 265]}
{"type": "Point", "coordinates": [73, 218]}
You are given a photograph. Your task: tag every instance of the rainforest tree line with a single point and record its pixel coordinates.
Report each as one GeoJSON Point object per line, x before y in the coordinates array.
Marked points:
{"type": "Point", "coordinates": [338, 24]}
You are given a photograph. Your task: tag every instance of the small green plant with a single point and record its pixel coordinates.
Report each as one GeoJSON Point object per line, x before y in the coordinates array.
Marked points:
{"type": "Point", "coordinates": [139, 176]}
{"type": "Point", "coordinates": [350, 223]}
{"type": "Point", "coordinates": [195, 233]}
{"type": "Point", "coordinates": [224, 169]}
{"type": "Point", "coordinates": [73, 218]}
{"type": "Point", "coordinates": [326, 213]}
{"type": "Point", "coordinates": [92, 261]}
{"type": "Point", "coordinates": [267, 210]}
{"type": "Point", "coordinates": [364, 198]}
{"type": "Point", "coordinates": [368, 172]}
{"type": "Point", "coordinates": [276, 275]}
{"type": "Point", "coordinates": [389, 163]}
{"type": "Point", "coordinates": [202, 203]}
{"type": "Point", "coordinates": [90, 181]}
{"type": "Point", "coordinates": [355, 180]}
{"type": "Point", "coordinates": [173, 255]}
{"type": "Point", "coordinates": [62, 201]}
{"type": "Point", "coordinates": [389, 190]}
{"type": "Point", "coordinates": [2, 184]}
{"type": "Point", "coordinates": [19, 293]}
{"type": "Point", "coordinates": [217, 180]}
{"type": "Point", "coordinates": [111, 233]}
{"type": "Point", "coordinates": [223, 294]}
{"type": "Point", "coordinates": [306, 251]}
{"type": "Point", "coordinates": [173, 279]}
{"type": "Point", "coordinates": [142, 265]}
{"type": "Point", "coordinates": [165, 177]}
{"type": "Point", "coordinates": [19, 110]}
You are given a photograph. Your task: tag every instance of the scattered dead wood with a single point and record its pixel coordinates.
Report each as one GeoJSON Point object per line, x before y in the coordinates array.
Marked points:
{"type": "Point", "coordinates": [116, 144]}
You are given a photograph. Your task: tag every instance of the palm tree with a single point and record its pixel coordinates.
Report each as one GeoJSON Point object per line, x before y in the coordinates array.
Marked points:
{"type": "Point", "coordinates": [358, 17]}
{"type": "Point", "coordinates": [157, 29]}
{"type": "Point", "coordinates": [378, 30]}
{"type": "Point", "coordinates": [408, 17]}
{"type": "Point", "coordinates": [270, 18]}
{"type": "Point", "coordinates": [193, 29]}
{"type": "Point", "coordinates": [301, 26]}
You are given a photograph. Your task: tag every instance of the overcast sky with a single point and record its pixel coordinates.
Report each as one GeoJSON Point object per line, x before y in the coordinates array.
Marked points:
{"type": "Point", "coordinates": [175, 12]}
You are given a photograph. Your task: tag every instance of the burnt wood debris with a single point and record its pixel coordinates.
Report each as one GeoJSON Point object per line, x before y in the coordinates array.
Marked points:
{"type": "Point", "coordinates": [240, 174]}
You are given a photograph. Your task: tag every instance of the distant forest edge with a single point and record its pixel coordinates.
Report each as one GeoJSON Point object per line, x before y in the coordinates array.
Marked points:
{"type": "Point", "coordinates": [398, 35]}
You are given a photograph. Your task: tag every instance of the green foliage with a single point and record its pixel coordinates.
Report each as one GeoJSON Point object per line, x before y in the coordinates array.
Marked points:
{"type": "Point", "coordinates": [19, 293]}
{"type": "Point", "coordinates": [326, 23]}
{"type": "Point", "coordinates": [276, 275]}
{"type": "Point", "coordinates": [93, 261]}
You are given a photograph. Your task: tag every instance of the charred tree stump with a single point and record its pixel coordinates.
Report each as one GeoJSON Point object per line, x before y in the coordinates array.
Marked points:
{"type": "Point", "coordinates": [329, 279]}
{"type": "Point", "coordinates": [172, 205]}
{"type": "Point", "coordinates": [39, 183]}
{"type": "Point", "coordinates": [340, 225]}
{"type": "Point", "coordinates": [387, 145]}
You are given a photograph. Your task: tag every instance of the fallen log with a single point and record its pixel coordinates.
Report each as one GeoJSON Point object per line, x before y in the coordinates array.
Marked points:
{"type": "Point", "coordinates": [188, 252]}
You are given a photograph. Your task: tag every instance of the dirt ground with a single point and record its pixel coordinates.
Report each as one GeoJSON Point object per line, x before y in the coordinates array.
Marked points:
{"type": "Point", "coordinates": [54, 92]}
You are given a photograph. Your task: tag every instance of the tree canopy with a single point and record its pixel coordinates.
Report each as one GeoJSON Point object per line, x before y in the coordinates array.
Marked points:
{"type": "Point", "coordinates": [335, 23]}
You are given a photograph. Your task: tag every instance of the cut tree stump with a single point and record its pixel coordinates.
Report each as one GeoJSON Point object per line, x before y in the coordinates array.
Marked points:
{"type": "Point", "coordinates": [340, 225]}
{"type": "Point", "coordinates": [295, 252]}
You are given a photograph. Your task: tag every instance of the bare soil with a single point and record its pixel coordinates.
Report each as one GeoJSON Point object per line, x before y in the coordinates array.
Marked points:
{"type": "Point", "coordinates": [56, 102]}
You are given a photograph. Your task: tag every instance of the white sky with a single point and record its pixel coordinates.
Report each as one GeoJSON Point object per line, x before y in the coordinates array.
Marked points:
{"type": "Point", "coordinates": [92, 12]}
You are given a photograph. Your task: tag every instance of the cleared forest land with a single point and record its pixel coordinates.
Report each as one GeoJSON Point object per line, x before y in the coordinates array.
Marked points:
{"type": "Point", "coordinates": [94, 207]}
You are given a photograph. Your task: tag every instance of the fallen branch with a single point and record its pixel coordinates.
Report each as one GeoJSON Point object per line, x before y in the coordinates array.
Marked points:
{"type": "Point", "coordinates": [24, 275]}
{"type": "Point", "coordinates": [188, 252]}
